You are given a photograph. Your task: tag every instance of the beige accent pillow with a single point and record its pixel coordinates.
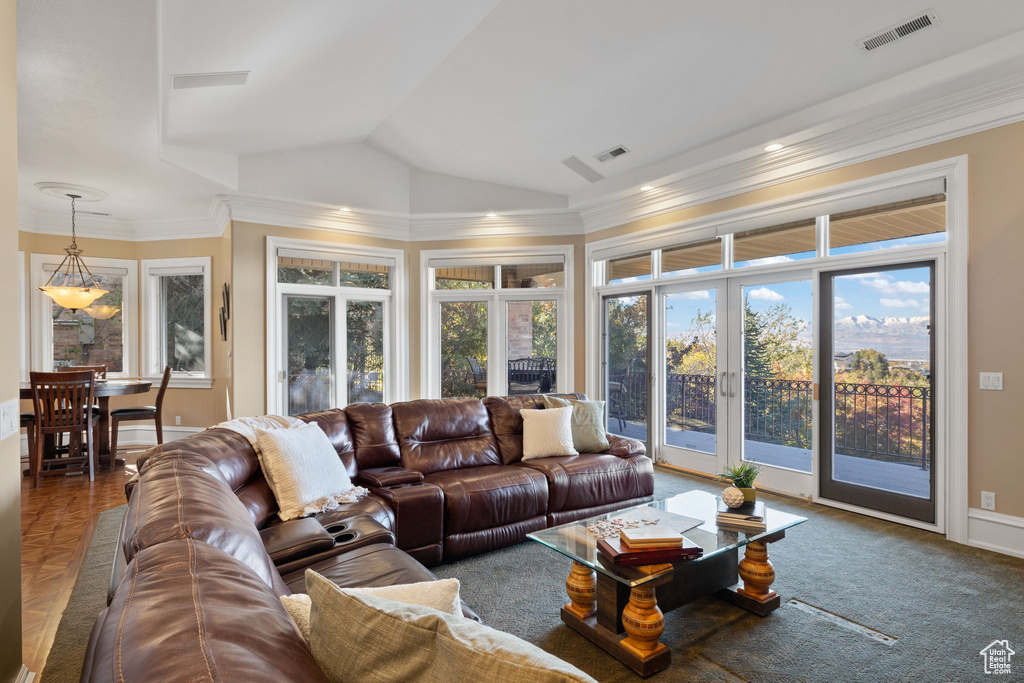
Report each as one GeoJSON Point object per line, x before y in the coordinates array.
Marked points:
{"type": "Point", "coordinates": [588, 432]}
{"type": "Point", "coordinates": [366, 638]}
{"type": "Point", "coordinates": [304, 471]}
{"type": "Point", "coordinates": [547, 433]}
{"type": "Point", "coordinates": [442, 595]}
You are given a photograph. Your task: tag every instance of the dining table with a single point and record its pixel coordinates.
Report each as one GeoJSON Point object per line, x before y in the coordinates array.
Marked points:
{"type": "Point", "coordinates": [102, 391]}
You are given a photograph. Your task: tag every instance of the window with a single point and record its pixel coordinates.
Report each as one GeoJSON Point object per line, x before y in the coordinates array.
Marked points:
{"type": "Point", "coordinates": [176, 305]}
{"type": "Point", "coordinates": [331, 310]}
{"type": "Point", "coordinates": [498, 322]}
{"type": "Point", "coordinates": [103, 334]}
{"type": "Point", "coordinates": [629, 269]}
{"type": "Point", "coordinates": [775, 244]}
{"type": "Point", "coordinates": [915, 221]}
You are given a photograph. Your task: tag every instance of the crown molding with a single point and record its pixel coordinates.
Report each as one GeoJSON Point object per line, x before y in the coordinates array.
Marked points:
{"type": "Point", "coordinates": [991, 105]}
{"type": "Point", "coordinates": [214, 224]}
{"type": "Point", "coordinates": [59, 223]}
{"type": "Point", "coordinates": [520, 224]}
{"type": "Point", "coordinates": [108, 228]}
{"type": "Point", "coordinates": [290, 213]}
{"type": "Point", "coordinates": [400, 227]}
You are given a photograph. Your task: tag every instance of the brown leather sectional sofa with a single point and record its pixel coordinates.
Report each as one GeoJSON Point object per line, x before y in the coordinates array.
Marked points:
{"type": "Point", "coordinates": [207, 557]}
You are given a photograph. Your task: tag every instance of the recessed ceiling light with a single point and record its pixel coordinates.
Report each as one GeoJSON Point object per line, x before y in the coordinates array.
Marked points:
{"type": "Point", "coordinates": [645, 188]}
{"type": "Point", "coordinates": [774, 147]}
{"type": "Point", "coordinates": [491, 215]}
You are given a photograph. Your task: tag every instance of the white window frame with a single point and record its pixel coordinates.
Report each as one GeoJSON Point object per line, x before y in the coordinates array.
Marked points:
{"type": "Point", "coordinates": [42, 327]}
{"type": "Point", "coordinates": [153, 351]}
{"type": "Point", "coordinates": [396, 337]}
{"type": "Point", "coordinates": [953, 381]}
{"type": "Point", "coordinates": [431, 298]}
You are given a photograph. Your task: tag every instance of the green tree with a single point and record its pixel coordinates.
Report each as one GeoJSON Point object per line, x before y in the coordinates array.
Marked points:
{"type": "Point", "coordinates": [545, 330]}
{"type": "Point", "coordinates": [870, 366]}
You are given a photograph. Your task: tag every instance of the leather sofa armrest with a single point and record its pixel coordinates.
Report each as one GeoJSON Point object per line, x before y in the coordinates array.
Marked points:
{"type": "Point", "coordinates": [383, 477]}
{"type": "Point", "coordinates": [624, 447]}
{"type": "Point", "coordinates": [295, 538]}
{"type": "Point", "coordinates": [419, 513]}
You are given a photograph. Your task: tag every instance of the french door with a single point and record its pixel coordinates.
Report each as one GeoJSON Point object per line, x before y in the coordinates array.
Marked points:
{"type": "Point", "coordinates": [334, 351]}
{"type": "Point", "coordinates": [737, 379]}
{"type": "Point", "coordinates": [877, 432]}
{"type": "Point", "coordinates": [626, 364]}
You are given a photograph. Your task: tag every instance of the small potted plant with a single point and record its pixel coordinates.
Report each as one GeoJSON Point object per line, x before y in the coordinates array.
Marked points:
{"type": "Point", "coordinates": [742, 477]}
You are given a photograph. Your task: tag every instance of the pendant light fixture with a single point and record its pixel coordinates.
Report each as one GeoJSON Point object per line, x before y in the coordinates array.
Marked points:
{"type": "Point", "coordinates": [72, 285]}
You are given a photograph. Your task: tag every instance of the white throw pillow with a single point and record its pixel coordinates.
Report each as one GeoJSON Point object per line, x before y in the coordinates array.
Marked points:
{"type": "Point", "coordinates": [547, 433]}
{"type": "Point", "coordinates": [442, 595]}
{"type": "Point", "coordinates": [360, 637]}
{"type": "Point", "coordinates": [304, 471]}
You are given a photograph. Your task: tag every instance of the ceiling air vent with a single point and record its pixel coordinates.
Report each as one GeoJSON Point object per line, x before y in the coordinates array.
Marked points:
{"type": "Point", "coordinates": [898, 31]}
{"type": "Point", "coordinates": [611, 154]}
{"type": "Point", "coordinates": [208, 80]}
{"type": "Point", "coordinates": [576, 165]}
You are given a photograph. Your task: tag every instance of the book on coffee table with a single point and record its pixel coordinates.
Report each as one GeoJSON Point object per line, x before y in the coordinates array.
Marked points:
{"type": "Point", "coordinates": [619, 553]}
{"type": "Point", "coordinates": [748, 512]}
{"type": "Point", "coordinates": [657, 536]}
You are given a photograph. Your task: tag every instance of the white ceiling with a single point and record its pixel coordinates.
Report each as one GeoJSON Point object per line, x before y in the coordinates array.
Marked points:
{"type": "Point", "coordinates": [488, 90]}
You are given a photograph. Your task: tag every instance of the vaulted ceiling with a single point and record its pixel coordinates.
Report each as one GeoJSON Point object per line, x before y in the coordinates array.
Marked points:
{"type": "Point", "coordinates": [457, 105]}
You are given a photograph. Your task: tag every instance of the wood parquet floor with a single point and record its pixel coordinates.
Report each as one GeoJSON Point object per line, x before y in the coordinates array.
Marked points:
{"type": "Point", "coordinates": [57, 520]}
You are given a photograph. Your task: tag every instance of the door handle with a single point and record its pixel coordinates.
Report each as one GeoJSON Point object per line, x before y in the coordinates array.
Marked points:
{"type": "Point", "coordinates": [721, 384]}
{"type": "Point", "coordinates": [732, 390]}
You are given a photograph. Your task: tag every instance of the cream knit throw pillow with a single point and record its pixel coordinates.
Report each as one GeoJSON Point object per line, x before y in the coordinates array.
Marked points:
{"type": "Point", "coordinates": [304, 471]}
{"type": "Point", "coordinates": [547, 433]}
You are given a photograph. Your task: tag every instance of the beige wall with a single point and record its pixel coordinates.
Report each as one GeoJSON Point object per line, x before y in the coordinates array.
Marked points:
{"type": "Point", "coordinates": [10, 465]}
{"type": "Point", "coordinates": [196, 407]}
{"type": "Point", "coordinates": [995, 280]}
{"type": "Point", "coordinates": [249, 263]}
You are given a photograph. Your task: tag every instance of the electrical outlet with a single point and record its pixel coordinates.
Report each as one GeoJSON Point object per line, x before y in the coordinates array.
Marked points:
{"type": "Point", "coordinates": [177, 419]}
{"type": "Point", "coordinates": [988, 500]}
{"type": "Point", "coordinates": [10, 421]}
{"type": "Point", "coordinates": [992, 381]}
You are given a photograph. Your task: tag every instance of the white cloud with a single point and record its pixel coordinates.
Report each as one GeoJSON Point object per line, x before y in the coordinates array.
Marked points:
{"type": "Point", "coordinates": [765, 294]}
{"type": "Point", "coordinates": [768, 260]}
{"type": "Point", "coordinates": [899, 303]}
{"type": "Point", "coordinates": [842, 304]}
{"type": "Point", "coordinates": [897, 287]}
{"type": "Point", "coordinates": [692, 296]}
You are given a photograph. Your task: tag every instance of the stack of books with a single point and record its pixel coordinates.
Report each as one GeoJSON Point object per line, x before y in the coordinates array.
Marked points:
{"type": "Point", "coordinates": [748, 518]}
{"type": "Point", "coordinates": [648, 545]}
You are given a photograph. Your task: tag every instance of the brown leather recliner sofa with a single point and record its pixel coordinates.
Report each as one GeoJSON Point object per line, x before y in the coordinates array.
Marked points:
{"type": "Point", "coordinates": [207, 557]}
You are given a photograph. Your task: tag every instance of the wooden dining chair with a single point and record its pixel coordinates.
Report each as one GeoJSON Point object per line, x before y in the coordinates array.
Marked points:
{"type": "Point", "coordinates": [154, 413]}
{"type": "Point", "coordinates": [100, 370]}
{"type": "Point", "coordinates": [62, 402]}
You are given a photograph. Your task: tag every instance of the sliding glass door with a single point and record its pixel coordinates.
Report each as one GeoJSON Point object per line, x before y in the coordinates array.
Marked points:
{"type": "Point", "coordinates": [877, 398]}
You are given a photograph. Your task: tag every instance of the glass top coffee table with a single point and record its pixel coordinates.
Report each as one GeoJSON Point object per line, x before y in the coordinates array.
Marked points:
{"type": "Point", "coordinates": [617, 608]}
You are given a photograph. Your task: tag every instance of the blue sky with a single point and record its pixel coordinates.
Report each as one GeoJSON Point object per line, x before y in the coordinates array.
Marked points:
{"type": "Point", "coordinates": [894, 293]}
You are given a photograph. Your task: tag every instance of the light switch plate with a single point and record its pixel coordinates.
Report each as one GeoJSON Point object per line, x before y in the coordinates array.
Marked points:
{"type": "Point", "coordinates": [9, 418]}
{"type": "Point", "coordinates": [992, 381]}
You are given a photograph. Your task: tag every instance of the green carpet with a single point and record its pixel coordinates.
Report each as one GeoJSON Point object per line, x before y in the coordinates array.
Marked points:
{"type": "Point", "coordinates": [942, 602]}
{"type": "Point", "coordinates": [88, 599]}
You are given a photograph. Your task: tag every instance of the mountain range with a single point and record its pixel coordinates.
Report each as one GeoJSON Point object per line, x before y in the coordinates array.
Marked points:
{"type": "Point", "coordinates": [897, 338]}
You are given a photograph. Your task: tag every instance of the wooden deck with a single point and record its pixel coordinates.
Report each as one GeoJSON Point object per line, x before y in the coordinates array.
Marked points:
{"type": "Point", "coordinates": [889, 476]}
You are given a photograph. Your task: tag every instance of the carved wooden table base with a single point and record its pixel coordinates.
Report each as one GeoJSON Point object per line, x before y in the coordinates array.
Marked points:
{"type": "Point", "coordinates": [628, 622]}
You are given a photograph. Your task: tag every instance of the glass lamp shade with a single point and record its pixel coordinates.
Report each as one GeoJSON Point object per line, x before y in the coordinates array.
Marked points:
{"type": "Point", "coordinates": [102, 311]}
{"type": "Point", "coordinates": [73, 298]}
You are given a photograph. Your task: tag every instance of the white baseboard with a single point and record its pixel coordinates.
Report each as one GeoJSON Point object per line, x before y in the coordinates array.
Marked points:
{"type": "Point", "coordinates": [25, 676]}
{"type": "Point", "coordinates": [996, 532]}
{"type": "Point", "coordinates": [138, 435]}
